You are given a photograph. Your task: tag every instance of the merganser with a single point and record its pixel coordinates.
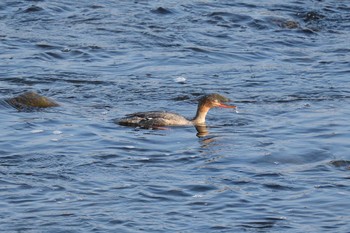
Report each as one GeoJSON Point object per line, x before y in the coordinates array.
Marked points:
{"type": "Point", "coordinates": [156, 119]}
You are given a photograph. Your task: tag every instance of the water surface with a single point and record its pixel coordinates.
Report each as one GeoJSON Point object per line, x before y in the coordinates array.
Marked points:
{"type": "Point", "coordinates": [279, 165]}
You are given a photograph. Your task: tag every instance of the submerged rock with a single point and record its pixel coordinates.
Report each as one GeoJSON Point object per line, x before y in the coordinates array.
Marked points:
{"type": "Point", "coordinates": [290, 24]}
{"type": "Point", "coordinates": [31, 100]}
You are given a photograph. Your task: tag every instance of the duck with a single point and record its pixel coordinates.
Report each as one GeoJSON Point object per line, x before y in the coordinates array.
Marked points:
{"type": "Point", "coordinates": [157, 119]}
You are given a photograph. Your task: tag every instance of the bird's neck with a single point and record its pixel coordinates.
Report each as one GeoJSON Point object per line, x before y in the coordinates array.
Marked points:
{"type": "Point", "coordinates": [200, 115]}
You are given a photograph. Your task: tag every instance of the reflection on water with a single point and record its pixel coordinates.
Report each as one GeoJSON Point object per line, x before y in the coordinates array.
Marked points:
{"type": "Point", "coordinates": [280, 165]}
{"type": "Point", "coordinates": [202, 130]}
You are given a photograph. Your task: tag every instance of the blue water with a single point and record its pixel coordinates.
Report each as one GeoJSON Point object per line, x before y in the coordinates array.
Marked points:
{"type": "Point", "coordinates": [281, 164]}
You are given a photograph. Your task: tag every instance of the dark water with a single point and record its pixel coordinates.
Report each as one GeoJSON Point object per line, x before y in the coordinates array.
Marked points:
{"type": "Point", "coordinates": [279, 165]}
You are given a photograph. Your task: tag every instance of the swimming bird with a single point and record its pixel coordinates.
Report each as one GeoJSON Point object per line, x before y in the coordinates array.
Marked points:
{"type": "Point", "coordinates": [156, 119]}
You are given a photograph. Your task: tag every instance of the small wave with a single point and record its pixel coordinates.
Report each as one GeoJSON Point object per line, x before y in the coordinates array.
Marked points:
{"type": "Point", "coordinates": [32, 9]}
{"type": "Point", "coordinates": [46, 45]}
{"type": "Point", "coordinates": [162, 11]}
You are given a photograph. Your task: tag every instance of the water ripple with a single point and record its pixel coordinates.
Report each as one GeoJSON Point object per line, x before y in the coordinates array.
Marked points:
{"type": "Point", "coordinates": [279, 164]}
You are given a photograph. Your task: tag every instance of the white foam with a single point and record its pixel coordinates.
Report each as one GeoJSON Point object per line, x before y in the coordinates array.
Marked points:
{"type": "Point", "coordinates": [37, 131]}
{"type": "Point", "coordinates": [57, 132]}
{"type": "Point", "coordinates": [180, 79]}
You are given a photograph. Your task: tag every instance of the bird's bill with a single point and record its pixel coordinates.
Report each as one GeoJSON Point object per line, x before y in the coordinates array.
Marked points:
{"type": "Point", "coordinates": [221, 105]}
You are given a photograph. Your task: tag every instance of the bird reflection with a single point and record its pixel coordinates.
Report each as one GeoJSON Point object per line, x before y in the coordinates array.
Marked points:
{"type": "Point", "coordinates": [202, 130]}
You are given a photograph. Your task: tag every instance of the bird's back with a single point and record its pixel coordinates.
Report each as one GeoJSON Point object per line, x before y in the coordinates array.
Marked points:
{"type": "Point", "coordinates": [154, 119]}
